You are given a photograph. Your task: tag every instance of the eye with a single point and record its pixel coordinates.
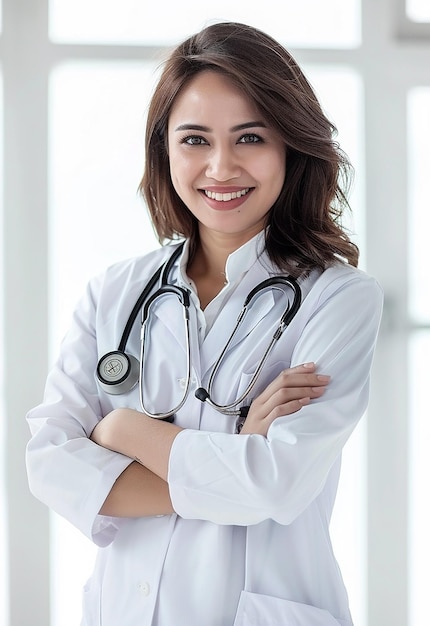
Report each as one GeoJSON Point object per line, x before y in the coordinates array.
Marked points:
{"type": "Point", "coordinates": [250, 138]}
{"type": "Point", "coordinates": [194, 140]}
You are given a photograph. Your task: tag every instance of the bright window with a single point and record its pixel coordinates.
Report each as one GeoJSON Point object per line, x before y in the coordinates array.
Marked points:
{"type": "Point", "coordinates": [310, 23]}
{"type": "Point", "coordinates": [418, 10]}
{"type": "Point", "coordinates": [419, 222]}
{"type": "Point", "coordinates": [340, 92]}
{"type": "Point", "coordinates": [419, 308]}
{"type": "Point", "coordinates": [96, 156]}
{"type": "Point", "coordinates": [3, 499]}
{"type": "Point", "coordinates": [419, 471]}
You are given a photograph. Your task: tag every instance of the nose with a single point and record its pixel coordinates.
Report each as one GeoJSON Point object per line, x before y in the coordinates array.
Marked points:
{"type": "Point", "coordinates": [222, 164]}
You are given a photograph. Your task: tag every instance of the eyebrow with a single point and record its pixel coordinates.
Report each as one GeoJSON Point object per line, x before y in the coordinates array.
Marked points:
{"type": "Point", "coordinates": [234, 129]}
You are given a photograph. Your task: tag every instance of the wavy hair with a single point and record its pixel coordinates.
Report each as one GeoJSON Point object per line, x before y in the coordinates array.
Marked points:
{"type": "Point", "coordinates": [304, 224]}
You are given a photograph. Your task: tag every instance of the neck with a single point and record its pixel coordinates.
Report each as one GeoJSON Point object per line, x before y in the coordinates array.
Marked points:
{"type": "Point", "coordinates": [208, 264]}
{"type": "Point", "coordinates": [207, 270]}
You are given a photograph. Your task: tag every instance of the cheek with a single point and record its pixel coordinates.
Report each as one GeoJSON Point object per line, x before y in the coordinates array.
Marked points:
{"type": "Point", "coordinates": [272, 170]}
{"type": "Point", "coordinates": [180, 166]}
{"type": "Point", "coordinates": [175, 169]}
{"type": "Point", "coordinates": [180, 177]}
{"type": "Point", "coordinates": [280, 168]}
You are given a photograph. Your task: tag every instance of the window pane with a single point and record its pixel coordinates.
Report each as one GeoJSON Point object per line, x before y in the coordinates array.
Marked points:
{"type": "Point", "coordinates": [3, 502]}
{"type": "Point", "coordinates": [418, 10]}
{"type": "Point", "coordinates": [95, 164]}
{"type": "Point", "coordinates": [96, 148]}
{"type": "Point", "coordinates": [334, 23]}
{"type": "Point", "coordinates": [340, 91]}
{"type": "Point", "coordinates": [419, 471]}
{"type": "Point", "coordinates": [419, 215]}
{"type": "Point", "coordinates": [349, 522]}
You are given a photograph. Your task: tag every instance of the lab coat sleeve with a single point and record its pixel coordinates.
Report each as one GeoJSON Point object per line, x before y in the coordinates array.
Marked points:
{"type": "Point", "coordinates": [66, 470]}
{"type": "Point", "coordinates": [245, 479]}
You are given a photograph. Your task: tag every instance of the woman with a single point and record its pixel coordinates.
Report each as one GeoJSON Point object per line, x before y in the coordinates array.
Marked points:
{"type": "Point", "coordinates": [208, 519]}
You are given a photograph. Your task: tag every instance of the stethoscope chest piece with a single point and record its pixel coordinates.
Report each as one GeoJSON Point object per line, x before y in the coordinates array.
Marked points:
{"type": "Point", "coordinates": [118, 372]}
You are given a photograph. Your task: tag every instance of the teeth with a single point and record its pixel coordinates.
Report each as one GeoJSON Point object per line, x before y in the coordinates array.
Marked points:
{"type": "Point", "coordinates": [226, 197]}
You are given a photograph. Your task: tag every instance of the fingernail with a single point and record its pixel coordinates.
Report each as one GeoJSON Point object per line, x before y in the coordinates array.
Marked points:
{"type": "Point", "coordinates": [310, 365]}
{"type": "Point", "coordinates": [323, 377]}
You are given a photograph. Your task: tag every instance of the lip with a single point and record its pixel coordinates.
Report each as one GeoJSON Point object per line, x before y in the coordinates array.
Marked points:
{"type": "Point", "coordinates": [226, 204]}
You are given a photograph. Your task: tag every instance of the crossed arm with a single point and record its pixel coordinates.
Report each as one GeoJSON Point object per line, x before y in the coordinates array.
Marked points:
{"type": "Point", "coordinates": [142, 489]}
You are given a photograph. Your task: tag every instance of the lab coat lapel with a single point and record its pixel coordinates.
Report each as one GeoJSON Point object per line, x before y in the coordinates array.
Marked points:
{"type": "Point", "coordinates": [223, 326]}
{"type": "Point", "coordinates": [168, 317]}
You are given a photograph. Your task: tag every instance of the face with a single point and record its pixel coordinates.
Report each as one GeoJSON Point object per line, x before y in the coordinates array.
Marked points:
{"type": "Point", "coordinates": [226, 164]}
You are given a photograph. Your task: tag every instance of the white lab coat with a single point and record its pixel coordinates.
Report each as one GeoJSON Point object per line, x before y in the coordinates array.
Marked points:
{"type": "Point", "coordinates": [250, 543]}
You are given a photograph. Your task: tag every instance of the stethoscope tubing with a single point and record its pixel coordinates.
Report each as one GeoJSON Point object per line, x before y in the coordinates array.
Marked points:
{"type": "Point", "coordinates": [288, 315]}
{"type": "Point", "coordinates": [184, 298]}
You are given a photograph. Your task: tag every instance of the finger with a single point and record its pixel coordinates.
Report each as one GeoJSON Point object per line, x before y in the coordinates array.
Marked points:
{"type": "Point", "coordinates": [282, 410]}
{"type": "Point", "coordinates": [291, 406]}
{"type": "Point", "coordinates": [291, 380]}
{"type": "Point", "coordinates": [285, 377]}
{"type": "Point", "coordinates": [303, 372]}
{"type": "Point", "coordinates": [285, 395]}
{"type": "Point", "coordinates": [281, 402]}
{"type": "Point", "coordinates": [301, 380]}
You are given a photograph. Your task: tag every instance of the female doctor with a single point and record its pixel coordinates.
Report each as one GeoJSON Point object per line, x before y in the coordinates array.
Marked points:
{"type": "Point", "coordinates": [207, 517]}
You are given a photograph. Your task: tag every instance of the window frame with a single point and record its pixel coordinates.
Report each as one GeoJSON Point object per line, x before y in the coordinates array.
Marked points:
{"type": "Point", "coordinates": [408, 29]}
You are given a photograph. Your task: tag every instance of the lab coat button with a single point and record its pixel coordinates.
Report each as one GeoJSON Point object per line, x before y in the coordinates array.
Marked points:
{"type": "Point", "coordinates": [144, 588]}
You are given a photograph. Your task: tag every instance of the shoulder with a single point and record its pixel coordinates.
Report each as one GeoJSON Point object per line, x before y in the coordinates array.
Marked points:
{"type": "Point", "coordinates": [339, 280]}
{"type": "Point", "coordinates": [140, 267]}
{"type": "Point", "coordinates": [344, 286]}
{"type": "Point", "coordinates": [341, 277]}
{"type": "Point", "coordinates": [130, 274]}
{"type": "Point", "coordinates": [323, 284]}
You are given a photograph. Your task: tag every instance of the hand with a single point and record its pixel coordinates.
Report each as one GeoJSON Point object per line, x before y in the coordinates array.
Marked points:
{"type": "Point", "coordinates": [293, 389]}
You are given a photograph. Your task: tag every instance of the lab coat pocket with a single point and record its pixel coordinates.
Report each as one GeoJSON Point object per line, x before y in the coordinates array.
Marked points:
{"type": "Point", "coordinates": [259, 610]}
{"type": "Point", "coordinates": [91, 601]}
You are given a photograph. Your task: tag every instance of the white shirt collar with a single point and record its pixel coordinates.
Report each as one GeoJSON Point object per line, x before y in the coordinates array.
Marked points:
{"type": "Point", "coordinates": [242, 259]}
{"type": "Point", "coordinates": [238, 262]}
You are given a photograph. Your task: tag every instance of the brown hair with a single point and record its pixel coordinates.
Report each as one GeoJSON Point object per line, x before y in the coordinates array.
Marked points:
{"type": "Point", "coordinates": [304, 222]}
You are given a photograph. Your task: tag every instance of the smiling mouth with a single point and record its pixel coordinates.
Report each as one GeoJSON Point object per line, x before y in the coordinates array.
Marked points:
{"type": "Point", "coordinates": [226, 197]}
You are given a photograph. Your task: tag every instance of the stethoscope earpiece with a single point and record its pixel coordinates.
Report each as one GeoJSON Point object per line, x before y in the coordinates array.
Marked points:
{"type": "Point", "coordinates": [118, 372]}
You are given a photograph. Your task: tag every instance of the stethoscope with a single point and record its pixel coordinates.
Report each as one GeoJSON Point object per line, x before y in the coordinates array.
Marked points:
{"type": "Point", "coordinates": [119, 372]}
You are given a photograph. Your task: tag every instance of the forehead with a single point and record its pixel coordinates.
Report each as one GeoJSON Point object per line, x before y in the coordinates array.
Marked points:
{"type": "Point", "coordinates": [211, 93]}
